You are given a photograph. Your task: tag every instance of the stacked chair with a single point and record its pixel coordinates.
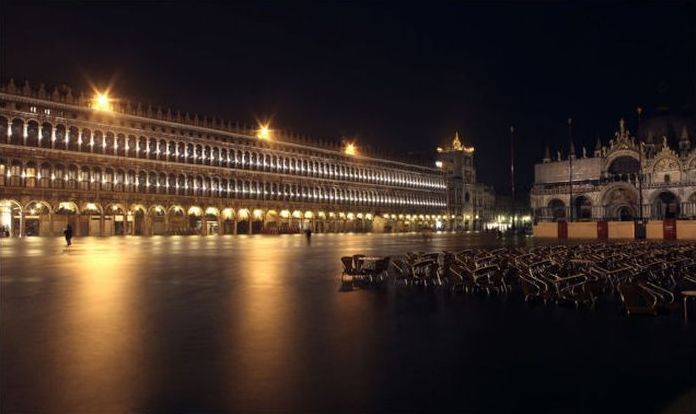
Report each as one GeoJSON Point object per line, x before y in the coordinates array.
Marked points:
{"type": "Point", "coordinates": [644, 276]}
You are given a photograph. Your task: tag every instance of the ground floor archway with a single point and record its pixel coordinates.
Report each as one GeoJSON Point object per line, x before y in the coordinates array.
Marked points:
{"type": "Point", "coordinates": [666, 205]}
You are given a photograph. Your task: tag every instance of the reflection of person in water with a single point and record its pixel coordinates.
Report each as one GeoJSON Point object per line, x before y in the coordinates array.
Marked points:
{"type": "Point", "coordinates": [308, 234]}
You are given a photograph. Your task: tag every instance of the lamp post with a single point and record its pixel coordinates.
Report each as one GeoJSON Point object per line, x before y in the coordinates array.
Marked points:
{"type": "Point", "coordinates": [570, 166]}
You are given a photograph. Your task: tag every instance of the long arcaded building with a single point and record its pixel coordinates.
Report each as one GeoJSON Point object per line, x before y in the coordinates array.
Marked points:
{"type": "Point", "coordinates": [110, 167]}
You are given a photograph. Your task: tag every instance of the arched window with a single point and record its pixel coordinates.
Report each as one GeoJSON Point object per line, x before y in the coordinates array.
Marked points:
{"type": "Point", "coordinates": [96, 179]}
{"type": "Point", "coordinates": [85, 178]}
{"type": "Point", "coordinates": [215, 157]}
{"type": "Point", "coordinates": [162, 150]}
{"type": "Point", "coordinates": [198, 155]}
{"type": "Point", "coordinates": [119, 180]}
{"type": "Point", "coordinates": [109, 142]}
{"type": "Point", "coordinates": [17, 132]}
{"type": "Point", "coordinates": [583, 208]}
{"type": "Point", "coordinates": [666, 205]}
{"type": "Point", "coordinates": [142, 147]}
{"type": "Point", "coordinates": [622, 167]}
{"type": "Point", "coordinates": [131, 181]}
{"type": "Point", "coordinates": [181, 152]}
{"type": "Point", "coordinates": [108, 180]}
{"type": "Point", "coordinates": [46, 133]}
{"type": "Point", "coordinates": [121, 145]}
{"type": "Point", "coordinates": [132, 150]}
{"type": "Point", "coordinates": [181, 184]}
{"type": "Point", "coordinates": [44, 175]}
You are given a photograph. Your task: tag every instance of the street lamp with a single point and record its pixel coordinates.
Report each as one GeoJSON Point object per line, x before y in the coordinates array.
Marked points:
{"type": "Point", "coordinates": [102, 102]}
{"type": "Point", "coordinates": [350, 149]}
{"type": "Point", "coordinates": [263, 132]}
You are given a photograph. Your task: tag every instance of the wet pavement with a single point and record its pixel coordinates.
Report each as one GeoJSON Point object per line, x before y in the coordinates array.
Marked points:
{"type": "Point", "coordinates": [259, 324]}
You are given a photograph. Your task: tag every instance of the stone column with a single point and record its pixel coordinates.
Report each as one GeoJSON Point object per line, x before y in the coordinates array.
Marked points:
{"type": "Point", "coordinates": [249, 222]}
{"type": "Point", "coordinates": [76, 229]}
{"type": "Point", "coordinates": [234, 225]}
{"type": "Point", "coordinates": [187, 222]}
{"type": "Point", "coordinates": [21, 224]}
{"type": "Point", "coordinates": [204, 226]}
{"type": "Point", "coordinates": [147, 224]}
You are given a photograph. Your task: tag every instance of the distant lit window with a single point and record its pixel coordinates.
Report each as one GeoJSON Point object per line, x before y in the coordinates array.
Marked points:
{"type": "Point", "coordinates": [47, 111]}
{"type": "Point", "coordinates": [32, 109]}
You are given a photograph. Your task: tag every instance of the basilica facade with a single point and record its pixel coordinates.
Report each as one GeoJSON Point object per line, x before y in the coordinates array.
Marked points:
{"type": "Point", "coordinates": [624, 179]}
{"type": "Point", "coordinates": [110, 167]}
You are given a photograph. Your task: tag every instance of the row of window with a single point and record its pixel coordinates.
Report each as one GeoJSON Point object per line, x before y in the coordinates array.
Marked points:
{"type": "Point", "coordinates": [18, 174]}
{"type": "Point", "coordinates": [85, 140]}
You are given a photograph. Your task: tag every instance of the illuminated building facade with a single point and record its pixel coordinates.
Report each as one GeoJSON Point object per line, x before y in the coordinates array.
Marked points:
{"type": "Point", "coordinates": [624, 180]}
{"type": "Point", "coordinates": [113, 168]}
{"type": "Point", "coordinates": [470, 203]}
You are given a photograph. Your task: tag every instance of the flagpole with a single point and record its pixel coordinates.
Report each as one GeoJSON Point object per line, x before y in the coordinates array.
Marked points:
{"type": "Point", "coordinates": [570, 165]}
{"type": "Point", "coordinates": [512, 172]}
{"type": "Point", "coordinates": [640, 168]}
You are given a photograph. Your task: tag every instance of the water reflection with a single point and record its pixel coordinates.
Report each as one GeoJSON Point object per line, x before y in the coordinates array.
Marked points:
{"type": "Point", "coordinates": [255, 323]}
{"type": "Point", "coordinates": [100, 352]}
{"type": "Point", "coordinates": [264, 324]}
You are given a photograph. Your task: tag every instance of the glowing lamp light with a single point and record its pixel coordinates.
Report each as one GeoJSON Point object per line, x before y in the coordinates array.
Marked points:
{"type": "Point", "coordinates": [102, 102]}
{"type": "Point", "coordinates": [263, 132]}
{"type": "Point", "coordinates": [351, 149]}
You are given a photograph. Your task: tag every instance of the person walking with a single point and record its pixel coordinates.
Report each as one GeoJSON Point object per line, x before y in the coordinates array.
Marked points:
{"type": "Point", "coordinates": [68, 234]}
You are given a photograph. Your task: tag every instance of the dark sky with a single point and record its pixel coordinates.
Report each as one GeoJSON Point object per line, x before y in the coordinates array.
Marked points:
{"type": "Point", "coordinates": [394, 76]}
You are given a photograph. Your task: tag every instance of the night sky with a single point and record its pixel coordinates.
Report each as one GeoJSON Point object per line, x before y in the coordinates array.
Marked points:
{"type": "Point", "coordinates": [397, 77]}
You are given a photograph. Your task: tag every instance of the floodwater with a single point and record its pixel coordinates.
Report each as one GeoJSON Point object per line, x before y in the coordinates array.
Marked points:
{"type": "Point", "coordinates": [259, 324]}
